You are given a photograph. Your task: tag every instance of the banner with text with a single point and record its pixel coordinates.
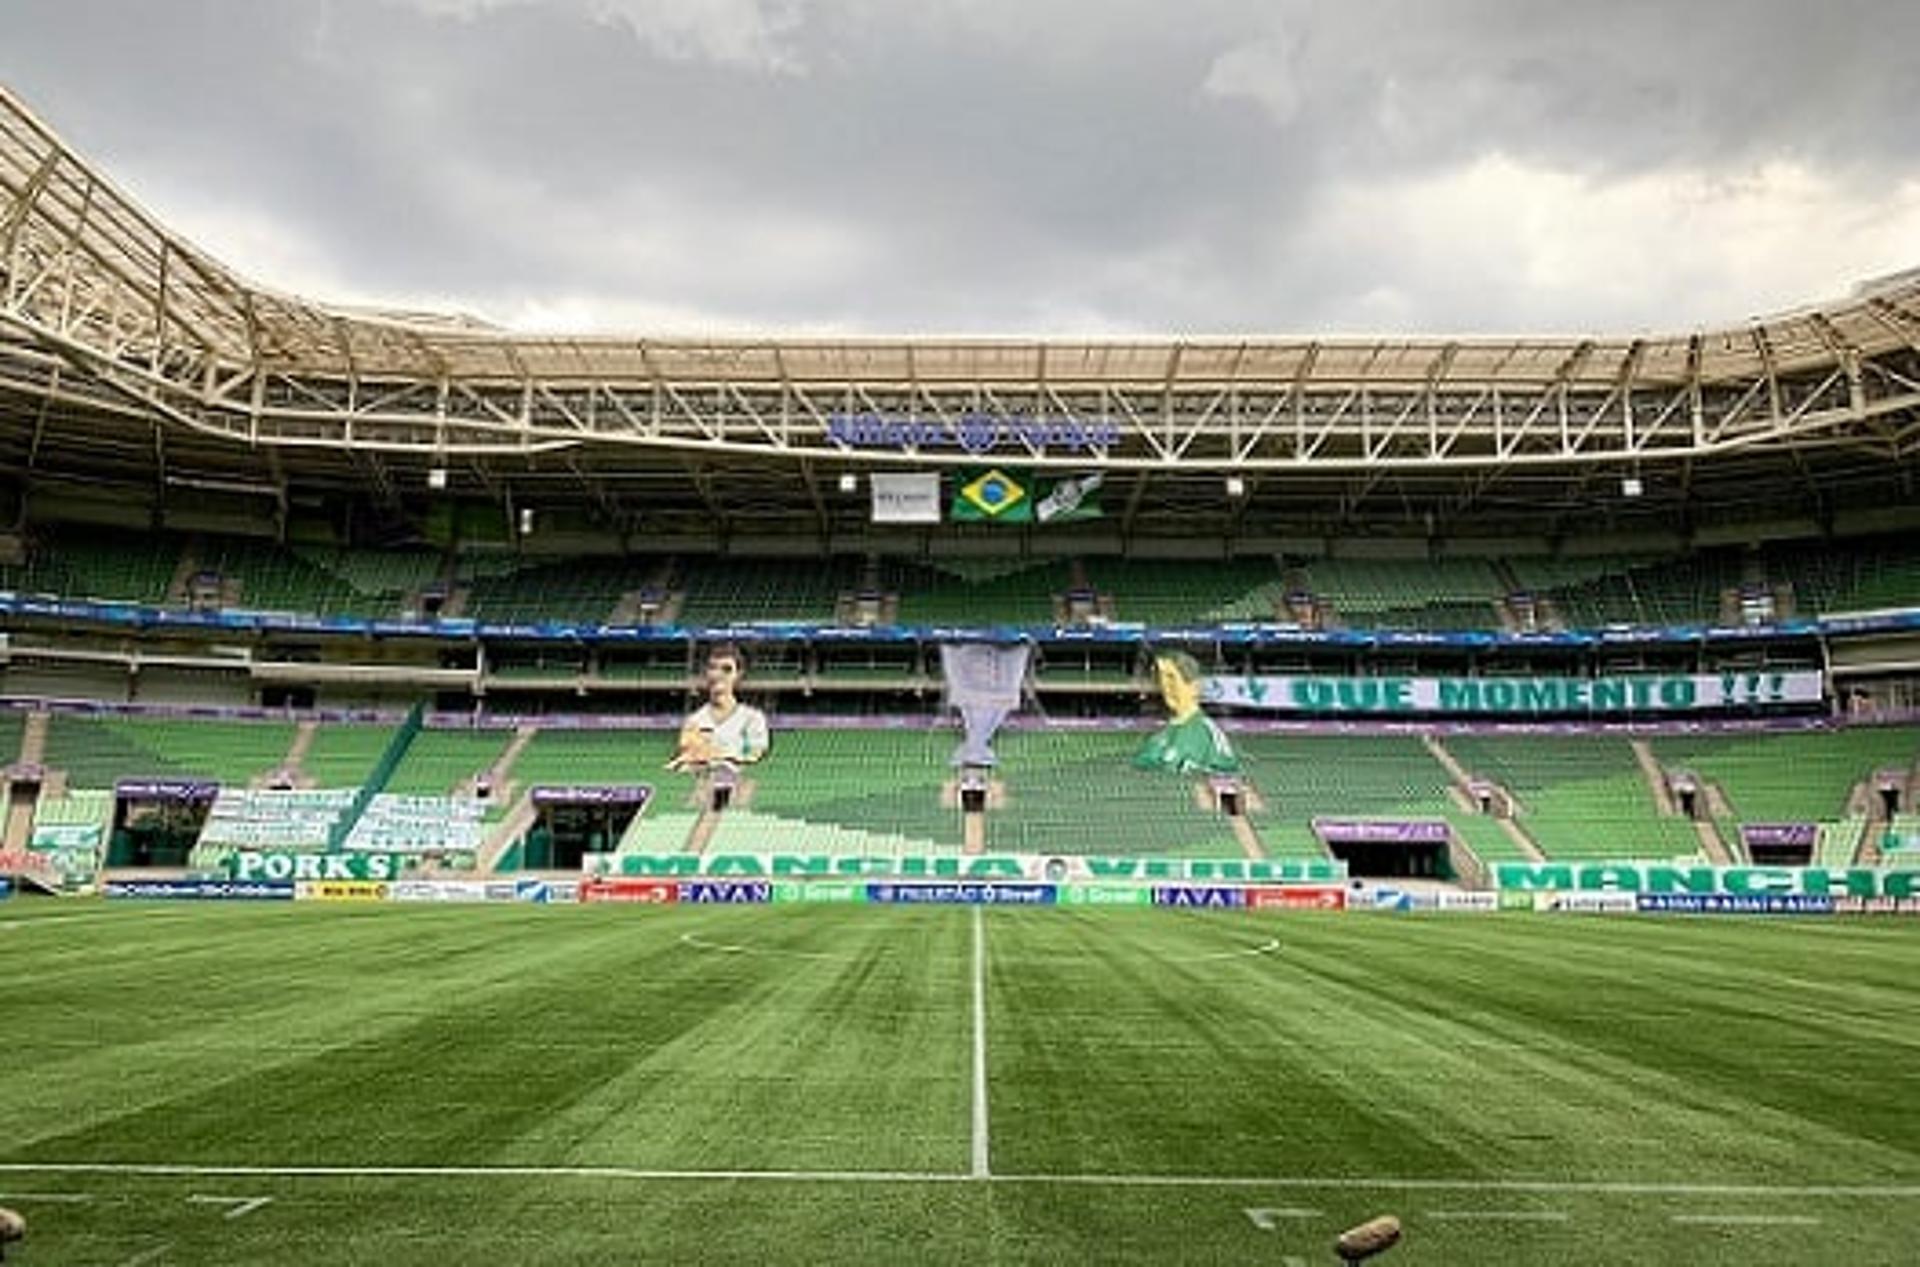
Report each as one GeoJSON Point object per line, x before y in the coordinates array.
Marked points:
{"type": "Point", "coordinates": [980, 867]}
{"type": "Point", "coordinates": [1680, 878]}
{"type": "Point", "coordinates": [1515, 696]}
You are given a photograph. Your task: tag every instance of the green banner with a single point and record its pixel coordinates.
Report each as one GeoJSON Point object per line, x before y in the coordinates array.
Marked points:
{"type": "Point", "coordinates": [316, 866]}
{"type": "Point", "coordinates": [1027, 867]}
{"type": "Point", "coordinates": [1662, 877]}
{"type": "Point", "coordinates": [1105, 895]}
{"type": "Point", "coordinates": [820, 891]}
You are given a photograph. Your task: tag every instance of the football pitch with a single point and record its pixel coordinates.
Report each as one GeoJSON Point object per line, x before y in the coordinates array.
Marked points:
{"type": "Point", "coordinates": [328, 1084]}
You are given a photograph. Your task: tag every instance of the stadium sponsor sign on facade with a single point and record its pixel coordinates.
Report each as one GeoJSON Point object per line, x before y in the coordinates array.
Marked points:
{"type": "Point", "coordinates": [1657, 877]}
{"type": "Point", "coordinates": [1579, 903]}
{"type": "Point", "coordinates": [820, 891]}
{"type": "Point", "coordinates": [315, 866]}
{"type": "Point", "coordinates": [342, 891]}
{"type": "Point", "coordinates": [1106, 895]}
{"type": "Point", "coordinates": [438, 891]}
{"type": "Point", "coordinates": [650, 892]}
{"type": "Point", "coordinates": [1728, 904]}
{"type": "Point", "coordinates": [206, 890]}
{"type": "Point", "coordinates": [964, 894]}
{"type": "Point", "coordinates": [1515, 696]}
{"type": "Point", "coordinates": [983, 867]}
{"type": "Point", "coordinates": [971, 432]}
{"type": "Point", "coordinates": [1318, 897]}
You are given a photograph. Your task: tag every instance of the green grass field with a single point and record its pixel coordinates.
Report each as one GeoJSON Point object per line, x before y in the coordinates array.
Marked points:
{"type": "Point", "coordinates": [396, 1085]}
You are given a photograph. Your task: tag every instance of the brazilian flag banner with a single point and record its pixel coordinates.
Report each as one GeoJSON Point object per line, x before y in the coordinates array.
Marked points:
{"type": "Point", "coordinates": [992, 496]}
{"type": "Point", "coordinates": [998, 495]}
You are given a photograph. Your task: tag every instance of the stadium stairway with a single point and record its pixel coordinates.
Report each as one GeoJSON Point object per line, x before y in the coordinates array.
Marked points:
{"type": "Point", "coordinates": [302, 744]}
{"type": "Point", "coordinates": [1516, 835]}
{"type": "Point", "coordinates": [505, 834]}
{"type": "Point", "coordinates": [33, 738]}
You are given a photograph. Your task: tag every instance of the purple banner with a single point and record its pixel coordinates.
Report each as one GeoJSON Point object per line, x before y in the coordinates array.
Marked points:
{"type": "Point", "coordinates": [166, 789]}
{"type": "Point", "coordinates": [632, 794]}
{"type": "Point", "coordinates": [1779, 834]}
{"type": "Point", "coordinates": [1416, 831]}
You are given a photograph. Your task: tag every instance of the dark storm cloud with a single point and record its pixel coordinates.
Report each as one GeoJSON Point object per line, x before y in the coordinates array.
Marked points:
{"type": "Point", "coordinates": [1002, 166]}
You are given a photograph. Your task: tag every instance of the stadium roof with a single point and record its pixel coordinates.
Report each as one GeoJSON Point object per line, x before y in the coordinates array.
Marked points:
{"type": "Point", "coordinates": [112, 324]}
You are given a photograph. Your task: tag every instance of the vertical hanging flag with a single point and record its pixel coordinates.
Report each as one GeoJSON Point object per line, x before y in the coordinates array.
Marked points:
{"type": "Point", "coordinates": [993, 496]}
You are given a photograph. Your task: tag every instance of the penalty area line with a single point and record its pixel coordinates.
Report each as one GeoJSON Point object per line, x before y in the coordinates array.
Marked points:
{"type": "Point", "coordinates": [1330, 1183]}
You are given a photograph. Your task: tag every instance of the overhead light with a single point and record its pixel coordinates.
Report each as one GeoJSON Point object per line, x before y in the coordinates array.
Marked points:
{"type": "Point", "coordinates": [436, 477]}
{"type": "Point", "coordinates": [1236, 486]}
{"type": "Point", "coordinates": [849, 482]}
{"type": "Point", "coordinates": [1631, 486]}
{"type": "Point", "coordinates": [526, 521]}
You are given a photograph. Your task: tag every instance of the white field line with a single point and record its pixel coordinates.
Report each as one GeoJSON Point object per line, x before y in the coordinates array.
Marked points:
{"type": "Point", "coordinates": [1329, 1183]}
{"type": "Point", "coordinates": [982, 1146]}
{"type": "Point", "coordinates": [1267, 947]}
{"type": "Point", "coordinates": [51, 1198]}
{"type": "Point", "coordinates": [241, 1207]}
{"type": "Point", "coordinates": [1748, 1220]}
{"type": "Point", "coordinates": [1266, 1217]}
{"type": "Point", "coordinates": [735, 948]}
{"type": "Point", "coordinates": [146, 1256]}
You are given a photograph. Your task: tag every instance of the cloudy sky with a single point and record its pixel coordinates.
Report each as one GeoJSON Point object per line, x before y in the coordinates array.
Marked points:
{"type": "Point", "coordinates": [1011, 166]}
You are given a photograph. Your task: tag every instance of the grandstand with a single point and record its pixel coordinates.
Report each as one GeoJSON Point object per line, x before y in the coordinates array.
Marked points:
{"type": "Point", "coordinates": [1578, 796]}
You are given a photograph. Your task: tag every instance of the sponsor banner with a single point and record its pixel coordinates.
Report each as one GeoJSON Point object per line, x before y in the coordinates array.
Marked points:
{"type": "Point", "coordinates": [342, 890]}
{"type": "Point", "coordinates": [726, 892]}
{"type": "Point", "coordinates": [166, 789]}
{"type": "Point", "coordinates": [1480, 900]}
{"type": "Point", "coordinates": [965, 894]}
{"type": "Point", "coordinates": [1730, 904]}
{"type": "Point", "coordinates": [1321, 897]}
{"type": "Point", "coordinates": [315, 866]}
{"type": "Point", "coordinates": [912, 498]}
{"type": "Point", "coordinates": [973, 432]}
{"type": "Point", "coordinates": [978, 868]}
{"type": "Point", "coordinates": [820, 891]}
{"type": "Point", "coordinates": [437, 891]}
{"type": "Point", "coordinates": [209, 890]}
{"type": "Point", "coordinates": [648, 892]}
{"type": "Point", "coordinates": [1381, 831]}
{"type": "Point", "coordinates": [1382, 899]}
{"type": "Point", "coordinates": [1779, 834]}
{"type": "Point", "coordinates": [1877, 905]}
{"type": "Point", "coordinates": [545, 892]}
{"type": "Point", "coordinates": [1515, 696]}
{"type": "Point", "coordinates": [1662, 877]}
{"type": "Point", "coordinates": [621, 794]}
{"type": "Point", "coordinates": [1106, 895]}
{"type": "Point", "coordinates": [1209, 897]}
{"type": "Point", "coordinates": [1585, 903]}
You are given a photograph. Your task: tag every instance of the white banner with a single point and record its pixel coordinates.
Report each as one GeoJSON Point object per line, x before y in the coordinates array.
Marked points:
{"type": "Point", "coordinates": [1516, 696]}
{"type": "Point", "coordinates": [906, 499]}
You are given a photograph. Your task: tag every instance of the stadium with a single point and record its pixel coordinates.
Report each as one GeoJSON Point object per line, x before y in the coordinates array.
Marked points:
{"type": "Point", "coordinates": [477, 793]}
